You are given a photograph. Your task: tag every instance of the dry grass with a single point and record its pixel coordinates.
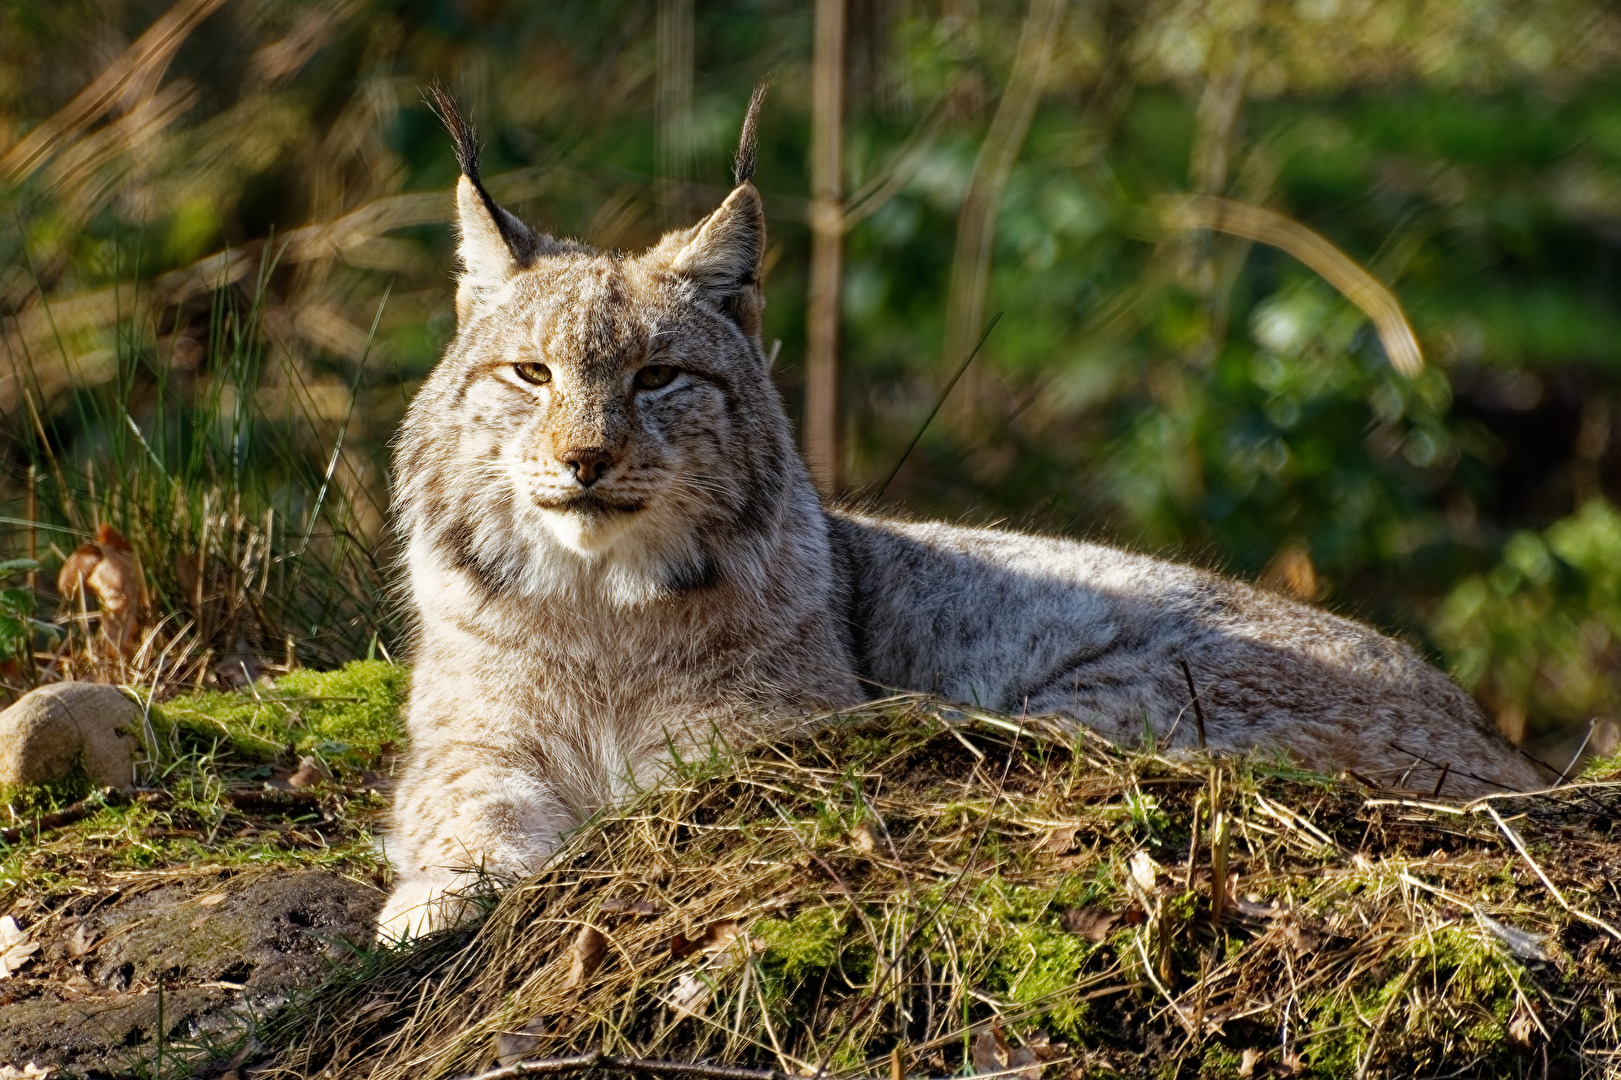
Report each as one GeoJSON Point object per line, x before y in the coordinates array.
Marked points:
{"type": "Point", "coordinates": [917, 893]}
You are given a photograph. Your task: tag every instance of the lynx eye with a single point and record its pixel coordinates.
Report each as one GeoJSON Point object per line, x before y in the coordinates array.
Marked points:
{"type": "Point", "coordinates": [533, 371]}
{"type": "Point", "coordinates": [656, 376]}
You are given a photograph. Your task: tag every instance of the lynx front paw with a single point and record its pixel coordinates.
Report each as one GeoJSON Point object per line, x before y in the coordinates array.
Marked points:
{"type": "Point", "coordinates": [421, 905]}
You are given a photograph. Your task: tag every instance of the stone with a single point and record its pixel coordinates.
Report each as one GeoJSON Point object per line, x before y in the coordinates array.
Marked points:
{"type": "Point", "coordinates": [52, 731]}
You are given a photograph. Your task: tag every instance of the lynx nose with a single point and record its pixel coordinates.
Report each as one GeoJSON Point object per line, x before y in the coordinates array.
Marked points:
{"type": "Point", "coordinates": [588, 463]}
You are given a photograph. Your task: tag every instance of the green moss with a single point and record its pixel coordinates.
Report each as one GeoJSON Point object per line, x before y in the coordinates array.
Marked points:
{"type": "Point", "coordinates": [344, 715]}
{"type": "Point", "coordinates": [801, 947]}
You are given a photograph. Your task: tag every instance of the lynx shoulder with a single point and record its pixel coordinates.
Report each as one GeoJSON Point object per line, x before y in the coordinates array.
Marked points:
{"type": "Point", "coordinates": [613, 549]}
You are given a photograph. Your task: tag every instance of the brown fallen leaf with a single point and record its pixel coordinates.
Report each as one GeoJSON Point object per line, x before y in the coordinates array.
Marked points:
{"type": "Point", "coordinates": [1522, 1026]}
{"type": "Point", "coordinates": [80, 941]}
{"type": "Point", "coordinates": [1250, 1058]}
{"type": "Point", "coordinates": [308, 773]}
{"type": "Point", "coordinates": [1038, 1050]}
{"type": "Point", "coordinates": [690, 994]}
{"type": "Point", "coordinates": [589, 948]}
{"type": "Point", "coordinates": [1301, 939]}
{"type": "Point", "coordinates": [15, 949]}
{"type": "Point", "coordinates": [716, 936]}
{"type": "Point", "coordinates": [989, 1052]}
{"type": "Point", "coordinates": [211, 899]}
{"type": "Point", "coordinates": [629, 907]}
{"type": "Point", "coordinates": [519, 1043]}
{"type": "Point", "coordinates": [1061, 841]}
{"type": "Point", "coordinates": [1091, 923]}
{"type": "Point", "coordinates": [863, 839]}
{"type": "Point", "coordinates": [104, 568]}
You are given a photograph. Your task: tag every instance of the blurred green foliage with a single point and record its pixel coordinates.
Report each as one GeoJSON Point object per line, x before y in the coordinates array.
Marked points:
{"type": "Point", "coordinates": [1191, 394]}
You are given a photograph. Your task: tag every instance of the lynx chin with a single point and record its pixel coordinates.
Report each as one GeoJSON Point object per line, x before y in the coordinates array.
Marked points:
{"type": "Point", "coordinates": [613, 548]}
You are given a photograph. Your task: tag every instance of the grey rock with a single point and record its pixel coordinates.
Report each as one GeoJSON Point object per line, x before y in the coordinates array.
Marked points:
{"type": "Point", "coordinates": [53, 730]}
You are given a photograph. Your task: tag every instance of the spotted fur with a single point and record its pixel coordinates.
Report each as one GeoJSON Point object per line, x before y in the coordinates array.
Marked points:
{"type": "Point", "coordinates": [613, 551]}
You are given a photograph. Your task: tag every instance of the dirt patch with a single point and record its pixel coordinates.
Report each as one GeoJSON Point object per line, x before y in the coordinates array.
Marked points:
{"type": "Point", "coordinates": [176, 966]}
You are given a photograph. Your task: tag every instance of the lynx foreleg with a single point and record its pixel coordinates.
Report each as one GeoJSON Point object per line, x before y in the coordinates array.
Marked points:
{"type": "Point", "coordinates": [462, 812]}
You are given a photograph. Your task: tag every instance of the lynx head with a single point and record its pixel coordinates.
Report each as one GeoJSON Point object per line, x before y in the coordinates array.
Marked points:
{"type": "Point", "coordinates": [600, 416]}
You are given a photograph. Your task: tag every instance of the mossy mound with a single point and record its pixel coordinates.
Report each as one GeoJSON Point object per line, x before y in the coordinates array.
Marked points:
{"type": "Point", "coordinates": [343, 717]}
{"type": "Point", "coordinates": [936, 895]}
{"type": "Point", "coordinates": [214, 787]}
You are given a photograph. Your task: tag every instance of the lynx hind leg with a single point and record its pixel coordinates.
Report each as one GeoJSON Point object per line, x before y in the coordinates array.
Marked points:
{"type": "Point", "coordinates": [459, 823]}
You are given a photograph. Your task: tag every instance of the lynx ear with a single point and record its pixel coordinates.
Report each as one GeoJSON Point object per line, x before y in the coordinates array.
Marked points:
{"type": "Point", "coordinates": [723, 254]}
{"type": "Point", "coordinates": [494, 244]}
{"type": "Point", "coordinates": [723, 257]}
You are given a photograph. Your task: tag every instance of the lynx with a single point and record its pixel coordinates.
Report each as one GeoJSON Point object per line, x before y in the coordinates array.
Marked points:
{"type": "Point", "coordinates": [614, 550]}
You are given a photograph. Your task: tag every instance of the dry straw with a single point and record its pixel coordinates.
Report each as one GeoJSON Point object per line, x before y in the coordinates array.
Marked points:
{"type": "Point", "coordinates": [915, 892]}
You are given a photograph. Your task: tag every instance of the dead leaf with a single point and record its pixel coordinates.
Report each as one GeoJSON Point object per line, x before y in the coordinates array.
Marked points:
{"type": "Point", "coordinates": [199, 920]}
{"type": "Point", "coordinates": [1301, 939]}
{"type": "Point", "coordinates": [513, 1046]}
{"type": "Point", "coordinates": [81, 941]}
{"type": "Point", "coordinates": [308, 773]}
{"type": "Point", "coordinates": [863, 838]}
{"type": "Point", "coordinates": [589, 948]}
{"type": "Point", "coordinates": [690, 994]}
{"type": "Point", "coordinates": [15, 948]}
{"type": "Point", "coordinates": [992, 1054]}
{"type": "Point", "coordinates": [1144, 871]}
{"type": "Point", "coordinates": [629, 907]}
{"type": "Point", "coordinates": [1061, 841]}
{"type": "Point", "coordinates": [716, 936]}
{"type": "Point", "coordinates": [1291, 1063]}
{"type": "Point", "coordinates": [990, 1050]}
{"type": "Point", "coordinates": [1091, 923]}
{"type": "Point", "coordinates": [105, 569]}
{"type": "Point", "coordinates": [1522, 1026]}
{"type": "Point", "coordinates": [1250, 1058]}
{"type": "Point", "coordinates": [1038, 1050]}
{"type": "Point", "coordinates": [210, 899]}
{"type": "Point", "coordinates": [31, 1071]}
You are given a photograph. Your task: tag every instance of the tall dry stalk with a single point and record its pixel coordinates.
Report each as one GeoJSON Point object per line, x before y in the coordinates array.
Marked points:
{"type": "Point", "coordinates": [125, 84]}
{"type": "Point", "coordinates": [827, 248]}
{"type": "Point", "coordinates": [673, 107]}
{"type": "Point", "coordinates": [976, 221]}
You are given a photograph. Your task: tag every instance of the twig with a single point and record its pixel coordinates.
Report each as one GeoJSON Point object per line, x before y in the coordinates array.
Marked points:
{"type": "Point", "coordinates": [1384, 1015]}
{"type": "Point", "coordinates": [941, 400]}
{"type": "Point", "coordinates": [1153, 977]}
{"type": "Point", "coordinates": [1519, 845]}
{"type": "Point", "coordinates": [642, 1066]}
{"type": "Point", "coordinates": [1193, 695]}
{"type": "Point", "coordinates": [66, 816]}
{"type": "Point", "coordinates": [1577, 756]}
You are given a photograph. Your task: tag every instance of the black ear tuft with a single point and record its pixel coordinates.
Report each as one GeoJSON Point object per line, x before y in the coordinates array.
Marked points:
{"type": "Point", "coordinates": [444, 106]}
{"type": "Point", "coordinates": [748, 143]}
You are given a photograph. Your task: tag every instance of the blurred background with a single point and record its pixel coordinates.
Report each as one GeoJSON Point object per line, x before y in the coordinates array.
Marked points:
{"type": "Point", "coordinates": [225, 266]}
